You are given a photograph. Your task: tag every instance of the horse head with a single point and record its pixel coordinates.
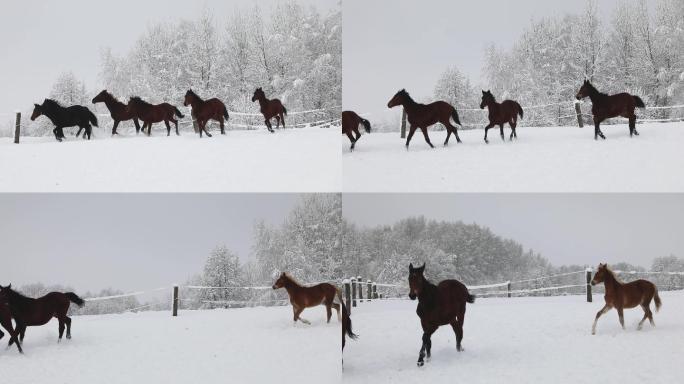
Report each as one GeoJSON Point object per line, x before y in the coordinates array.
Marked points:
{"type": "Point", "coordinates": [100, 98]}
{"type": "Point", "coordinates": [487, 98]}
{"type": "Point", "coordinates": [398, 99]}
{"type": "Point", "coordinates": [258, 94]}
{"type": "Point", "coordinates": [281, 281]}
{"type": "Point", "coordinates": [584, 91]}
{"type": "Point", "coordinates": [416, 280]}
{"type": "Point", "coordinates": [600, 275]}
{"type": "Point", "coordinates": [189, 97]}
{"type": "Point", "coordinates": [37, 111]}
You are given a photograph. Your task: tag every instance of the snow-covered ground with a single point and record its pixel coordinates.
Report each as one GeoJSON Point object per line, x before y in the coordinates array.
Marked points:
{"type": "Point", "coordinates": [255, 345]}
{"type": "Point", "coordinates": [552, 159]}
{"type": "Point", "coordinates": [291, 160]}
{"type": "Point", "coordinates": [519, 340]}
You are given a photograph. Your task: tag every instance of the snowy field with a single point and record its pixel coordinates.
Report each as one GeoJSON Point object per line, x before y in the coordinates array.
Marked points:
{"type": "Point", "coordinates": [553, 159]}
{"type": "Point", "coordinates": [519, 340]}
{"type": "Point", "coordinates": [291, 160]}
{"type": "Point", "coordinates": [255, 345]}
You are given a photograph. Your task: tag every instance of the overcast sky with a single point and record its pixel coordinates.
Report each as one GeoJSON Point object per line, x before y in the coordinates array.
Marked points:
{"type": "Point", "coordinates": [39, 39]}
{"type": "Point", "coordinates": [408, 44]}
{"type": "Point", "coordinates": [125, 241]}
{"type": "Point", "coordinates": [566, 229]}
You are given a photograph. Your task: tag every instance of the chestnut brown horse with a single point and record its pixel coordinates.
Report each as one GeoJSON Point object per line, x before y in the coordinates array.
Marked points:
{"type": "Point", "coordinates": [6, 321]}
{"type": "Point", "coordinates": [604, 107]}
{"type": "Point", "coordinates": [502, 113]}
{"type": "Point", "coordinates": [621, 295]}
{"type": "Point", "coordinates": [302, 297]}
{"type": "Point", "coordinates": [422, 116]}
{"type": "Point", "coordinates": [150, 114]}
{"type": "Point", "coordinates": [203, 111]}
{"type": "Point", "coordinates": [350, 126]}
{"type": "Point", "coordinates": [441, 304]}
{"type": "Point", "coordinates": [270, 109]}
{"type": "Point", "coordinates": [35, 312]}
{"type": "Point", "coordinates": [118, 110]}
{"type": "Point", "coordinates": [64, 117]}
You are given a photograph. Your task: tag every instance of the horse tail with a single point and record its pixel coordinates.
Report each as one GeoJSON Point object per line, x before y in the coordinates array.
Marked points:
{"type": "Point", "coordinates": [470, 298]}
{"type": "Point", "coordinates": [284, 110]}
{"type": "Point", "coordinates": [639, 102]}
{"type": "Point", "coordinates": [346, 319]}
{"type": "Point", "coordinates": [520, 110]}
{"type": "Point", "coordinates": [225, 112]}
{"type": "Point", "coordinates": [366, 125]}
{"type": "Point", "coordinates": [656, 298]}
{"type": "Point", "coordinates": [178, 113]}
{"type": "Point", "coordinates": [92, 118]}
{"type": "Point", "coordinates": [454, 115]}
{"type": "Point", "coordinates": [75, 299]}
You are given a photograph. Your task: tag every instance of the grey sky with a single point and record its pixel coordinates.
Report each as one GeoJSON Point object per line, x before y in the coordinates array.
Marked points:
{"type": "Point", "coordinates": [566, 229]}
{"type": "Point", "coordinates": [39, 39]}
{"type": "Point", "coordinates": [125, 241]}
{"type": "Point", "coordinates": [410, 43]}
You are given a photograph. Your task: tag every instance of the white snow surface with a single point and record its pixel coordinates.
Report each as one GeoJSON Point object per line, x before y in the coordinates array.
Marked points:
{"type": "Point", "coordinates": [543, 159]}
{"type": "Point", "coordinates": [519, 340]}
{"type": "Point", "coordinates": [250, 345]}
{"type": "Point", "coordinates": [290, 160]}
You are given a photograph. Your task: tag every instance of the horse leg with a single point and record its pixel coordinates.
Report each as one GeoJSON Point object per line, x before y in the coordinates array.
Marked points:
{"type": "Point", "coordinates": [116, 124]}
{"type": "Point", "coordinates": [513, 123]}
{"type": "Point", "coordinates": [175, 122]}
{"type": "Point", "coordinates": [168, 128]}
{"type": "Point", "coordinates": [621, 316]}
{"type": "Point", "coordinates": [137, 125]}
{"type": "Point", "coordinates": [268, 125]}
{"type": "Point", "coordinates": [78, 133]}
{"type": "Point", "coordinates": [603, 310]}
{"type": "Point", "coordinates": [490, 125]}
{"type": "Point", "coordinates": [61, 329]}
{"type": "Point", "coordinates": [203, 127]}
{"type": "Point", "coordinates": [67, 321]}
{"type": "Point", "coordinates": [632, 127]}
{"type": "Point", "coordinates": [427, 138]}
{"type": "Point", "coordinates": [412, 130]}
{"type": "Point", "coordinates": [502, 133]}
{"type": "Point", "coordinates": [282, 119]}
{"type": "Point", "coordinates": [425, 347]}
{"type": "Point", "coordinates": [277, 117]}
{"type": "Point", "coordinates": [597, 131]}
{"type": "Point", "coordinates": [88, 131]}
{"type": "Point", "coordinates": [328, 312]}
{"type": "Point", "coordinates": [646, 311]}
{"type": "Point", "coordinates": [337, 308]}
{"type": "Point", "coordinates": [223, 131]}
{"type": "Point", "coordinates": [298, 312]}
{"type": "Point", "coordinates": [352, 139]}
{"type": "Point", "coordinates": [446, 142]}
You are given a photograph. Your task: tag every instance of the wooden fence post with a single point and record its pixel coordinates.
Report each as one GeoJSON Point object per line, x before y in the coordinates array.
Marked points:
{"type": "Point", "coordinates": [578, 111]}
{"type": "Point", "coordinates": [175, 300]}
{"type": "Point", "coordinates": [375, 291]}
{"type": "Point", "coordinates": [17, 128]}
{"type": "Point", "coordinates": [369, 286]}
{"type": "Point", "coordinates": [353, 287]}
{"type": "Point", "coordinates": [347, 293]}
{"type": "Point", "coordinates": [509, 288]}
{"type": "Point", "coordinates": [589, 298]}
{"type": "Point", "coordinates": [403, 123]}
{"type": "Point", "coordinates": [359, 281]}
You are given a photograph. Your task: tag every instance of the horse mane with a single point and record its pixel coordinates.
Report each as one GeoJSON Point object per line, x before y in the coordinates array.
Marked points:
{"type": "Point", "coordinates": [593, 90]}
{"type": "Point", "coordinates": [51, 104]}
{"type": "Point", "coordinates": [404, 93]}
{"type": "Point", "coordinates": [190, 91]}
{"type": "Point", "coordinates": [292, 279]}
{"type": "Point", "coordinates": [611, 273]}
{"type": "Point", "coordinates": [17, 299]}
{"type": "Point", "coordinates": [111, 97]}
{"type": "Point", "coordinates": [137, 99]}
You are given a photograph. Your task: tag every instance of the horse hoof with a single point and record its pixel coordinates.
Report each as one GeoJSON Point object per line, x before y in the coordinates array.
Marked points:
{"type": "Point", "coordinates": [421, 363]}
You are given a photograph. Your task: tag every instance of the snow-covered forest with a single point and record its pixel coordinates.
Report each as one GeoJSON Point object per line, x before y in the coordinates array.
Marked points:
{"type": "Point", "coordinates": [293, 52]}
{"type": "Point", "coordinates": [639, 50]}
{"type": "Point", "coordinates": [468, 252]}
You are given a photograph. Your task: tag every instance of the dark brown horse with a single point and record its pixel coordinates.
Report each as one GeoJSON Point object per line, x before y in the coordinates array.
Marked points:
{"type": "Point", "coordinates": [604, 107]}
{"type": "Point", "coordinates": [501, 113]}
{"type": "Point", "coordinates": [34, 312]}
{"type": "Point", "coordinates": [305, 297]}
{"type": "Point", "coordinates": [422, 116]}
{"type": "Point", "coordinates": [621, 295]}
{"type": "Point", "coordinates": [438, 305]}
{"type": "Point", "coordinates": [270, 109]}
{"type": "Point", "coordinates": [6, 321]}
{"type": "Point", "coordinates": [64, 117]}
{"type": "Point", "coordinates": [350, 126]}
{"type": "Point", "coordinates": [118, 110]}
{"type": "Point", "coordinates": [151, 114]}
{"type": "Point", "coordinates": [203, 111]}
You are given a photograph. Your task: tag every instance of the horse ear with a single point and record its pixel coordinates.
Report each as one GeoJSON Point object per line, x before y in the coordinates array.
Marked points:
{"type": "Point", "coordinates": [483, 92]}
{"type": "Point", "coordinates": [421, 269]}
{"type": "Point", "coordinates": [410, 266]}
{"type": "Point", "coordinates": [36, 105]}
{"type": "Point", "coordinates": [489, 91]}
